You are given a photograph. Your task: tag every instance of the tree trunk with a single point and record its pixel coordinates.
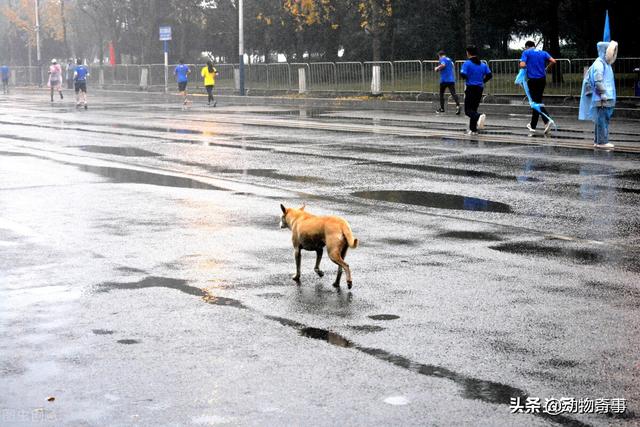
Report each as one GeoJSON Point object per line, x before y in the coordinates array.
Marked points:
{"type": "Point", "coordinates": [64, 29]}
{"type": "Point", "coordinates": [376, 46]}
{"type": "Point", "coordinates": [467, 23]}
{"type": "Point", "coordinates": [552, 38]}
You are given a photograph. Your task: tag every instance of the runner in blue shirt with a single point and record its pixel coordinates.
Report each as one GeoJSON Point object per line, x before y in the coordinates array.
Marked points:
{"type": "Point", "coordinates": [80, 74]}
{"type": "Point", "coordinates": [447, 80]}
{"type": "Point", "coordinates": [535, 61]}
{"type": "Point", "coordinates": [182, 77]}
{"type": "Point", "coordinates": [4, 71]}
{"type": "Point", "coordinates": [476, 73]}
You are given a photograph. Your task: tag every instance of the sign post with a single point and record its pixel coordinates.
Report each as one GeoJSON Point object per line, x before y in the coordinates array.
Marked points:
{"type": "Point", "coordinates": [165, 36]}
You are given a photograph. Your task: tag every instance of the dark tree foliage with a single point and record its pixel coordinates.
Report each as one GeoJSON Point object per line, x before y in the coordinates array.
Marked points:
{"type": "Point", "coordinates": [317, 30]}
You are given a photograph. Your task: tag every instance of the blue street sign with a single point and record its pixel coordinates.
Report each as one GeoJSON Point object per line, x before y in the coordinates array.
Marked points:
{"type": "Point", "coordinates": [165, 33]}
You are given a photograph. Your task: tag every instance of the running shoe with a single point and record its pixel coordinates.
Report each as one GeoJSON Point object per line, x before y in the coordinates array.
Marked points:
{"type": "Point", "coordinates": [547, 128]}
{"type": "Point", "coordinates": [607, 145]}
{"type": "Point", "coordinates": [532, 131]}
{"type": "Point", "coordinates": [86, 107]}
{"type": "Point", "coordinates": [215, 103]}
{"type": "Point", "coordinates": [457, 110]}
{"type": "Point", "coordinates": [471, 132]}
{"type": "Point", "coordinates": [440, 110]}
{"type": "Point", "coordinates": [481, 120]}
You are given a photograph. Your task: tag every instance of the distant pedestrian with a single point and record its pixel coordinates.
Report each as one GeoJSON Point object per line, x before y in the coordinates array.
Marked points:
{"type": "Point", "coordinates": [80, 74]}
{"type": "Point", "coordinates": [55, 78]}
{"type": "Point", "coordinates": [209, 74]}
{"type": "Point", "coordinates": [476, 74]}
{"type": "Point", "coordinates": [182, 72]}
{"type": "Point", "coordinates": [535, 61]}
{"type": "Point", "coordinates": [5, 73]}
{"type": "Point", "coordinates": [69, 73]}
{"type": "Point", "coordinates": [447, 80]}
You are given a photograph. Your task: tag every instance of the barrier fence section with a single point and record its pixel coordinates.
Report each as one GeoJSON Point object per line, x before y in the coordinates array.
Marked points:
{"type": "Point", "coordinates": [387, 76]}
{"type": "Point", "coordinates": [413, 76]}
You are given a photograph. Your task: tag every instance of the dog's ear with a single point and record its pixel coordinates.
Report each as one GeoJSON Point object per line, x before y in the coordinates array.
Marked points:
{"type": "Point", "coordinates": [284, 210]}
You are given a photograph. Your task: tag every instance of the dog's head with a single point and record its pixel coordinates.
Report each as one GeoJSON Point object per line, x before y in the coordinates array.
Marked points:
{"type": "Point", "coordinates": [288, 214]}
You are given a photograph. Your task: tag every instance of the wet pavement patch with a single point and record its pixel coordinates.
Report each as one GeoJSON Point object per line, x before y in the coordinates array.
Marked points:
{"type": "Point", "coordinates": [546, 250]}
{"type": "Point", "coordinates": [472, 388]}
{"type": "Point", "coordinates": [131, 176]}
{"type": "Point", "coordinates": [470, 235]}
{"type": "Point", "coordinates": [128, 341]}
{"type": "Point", "coordinates": [435, 200]}
{"type": "Point", "coordinates": [209, 298]}
{"type": "Point", "coordinates": [153, 282]}
{"type": "Point", "coordinates": [384, 317]}
{"type": "Point", "coordinates": [560, 363]}
{"type": "Point", "coordinates": [271, 295]}
{"type": "Point", "coordinates": [130, 270]}
{"type": "Point", "coordinates": [400, 242]}
{"type": "Point", "coordinates": [325, 335]}
{"type": "Point", "coordinates": [367, 328]}
{"type": "Point", "coordinates": [102, 331]}
{"type": "Point", "coordinates": [118, 151]}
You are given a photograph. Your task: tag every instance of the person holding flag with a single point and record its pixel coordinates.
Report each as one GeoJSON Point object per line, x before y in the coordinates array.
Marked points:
{"type": "Point", "coordinates": [598, 96]}
{"type": "Point", "coordinates": [535, 63]}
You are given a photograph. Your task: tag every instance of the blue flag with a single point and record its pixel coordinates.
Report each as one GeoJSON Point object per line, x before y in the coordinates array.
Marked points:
{"type": "Point", "coordinates": [606, 37]}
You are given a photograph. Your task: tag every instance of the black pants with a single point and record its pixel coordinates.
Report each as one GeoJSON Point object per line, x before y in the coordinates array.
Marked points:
{"type": "Point", "coordinates": [472, 98]}
{"type": "Point", "coordinates": [452, 89]}
{"type": "Point", "coordinates": [209, 92]}
{"type": "Point", "coordinates": [536, 89]}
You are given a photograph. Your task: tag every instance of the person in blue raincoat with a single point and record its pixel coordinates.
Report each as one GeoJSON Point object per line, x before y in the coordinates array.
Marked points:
{"type": "Point", "coordinates": [598, 96]}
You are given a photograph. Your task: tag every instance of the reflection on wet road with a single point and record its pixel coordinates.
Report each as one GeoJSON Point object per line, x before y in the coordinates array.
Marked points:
{"type": "Point", "coordinates": [144, 278]}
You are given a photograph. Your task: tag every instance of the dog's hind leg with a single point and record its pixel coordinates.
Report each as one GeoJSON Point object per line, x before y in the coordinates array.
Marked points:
{"type": "Point", "coordinates": [338, 257]}
{"type": "Point", "coordinates": [318, 259]}
{"type": "Point", "coordinates": [298, 256]}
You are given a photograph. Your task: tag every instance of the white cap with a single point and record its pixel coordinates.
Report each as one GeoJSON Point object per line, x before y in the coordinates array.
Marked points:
{"type": "Point", "coordinates": [54, 61]}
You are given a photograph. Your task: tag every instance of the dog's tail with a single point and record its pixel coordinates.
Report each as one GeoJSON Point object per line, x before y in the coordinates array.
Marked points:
{"type": "Point", "coordinates": [346, 231]}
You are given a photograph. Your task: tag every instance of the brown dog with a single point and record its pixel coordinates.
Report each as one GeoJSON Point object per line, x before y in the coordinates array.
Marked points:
{"type": "Point", "coordinates": [313, 233]}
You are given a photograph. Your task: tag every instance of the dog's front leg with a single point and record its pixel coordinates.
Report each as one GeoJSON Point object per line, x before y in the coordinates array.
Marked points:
{"type": "Point", "coordinates": [318, 259]}
{"type": "Point", "coordinates": [298, 256]}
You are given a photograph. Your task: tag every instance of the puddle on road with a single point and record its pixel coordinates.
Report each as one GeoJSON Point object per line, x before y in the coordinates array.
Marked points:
{"type": "Point", "coordinates": [154, 282]}
{"type": "Point", "coordinates": [271, 295]}
{"type": "Point", "coordinates": [545, 250]}
{"type": "Point", "coordinates": [130, 176]}
{"type": "Point", "coordinates": [227, 302]}
{"type": "Point", "coordinates": [470, 235]}
{"type": "Point", "coordinates": [118, 151]}
{"type": "Point", "coordinates": [383, 317]}
{"type": "Point", "coordinates": [435, 200]}
{"type": "Point", "coordinates": [102, 331]}
{"type": "Point", "coordinates": [560, 363]}
{"type": "Point", "coordinates": [128, 341]}
{"type": "Point", "coordinates": [366, 328]}
{"type": "Point", "coordinates": [628, 260]}
{"type": "Point", "coordinates": [472, 388]}
{"type": "Point", "coordinates": [323, 334]}
{"type": "Point", "coordinates": [132, 270]}
{"type": "Point", "coordinates": [400, 242]}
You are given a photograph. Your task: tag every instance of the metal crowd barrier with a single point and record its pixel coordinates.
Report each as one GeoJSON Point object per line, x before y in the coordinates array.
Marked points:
{"type": "Point", "coordinates": [346, 77]}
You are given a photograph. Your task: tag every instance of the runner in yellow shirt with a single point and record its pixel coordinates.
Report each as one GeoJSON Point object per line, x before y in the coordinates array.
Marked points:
{"type": "Point", "coordinates": [209, 74]}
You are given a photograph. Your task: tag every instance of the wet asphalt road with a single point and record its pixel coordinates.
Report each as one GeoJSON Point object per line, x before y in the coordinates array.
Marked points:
{"type": "Point", "coordinates": [144, 279]}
